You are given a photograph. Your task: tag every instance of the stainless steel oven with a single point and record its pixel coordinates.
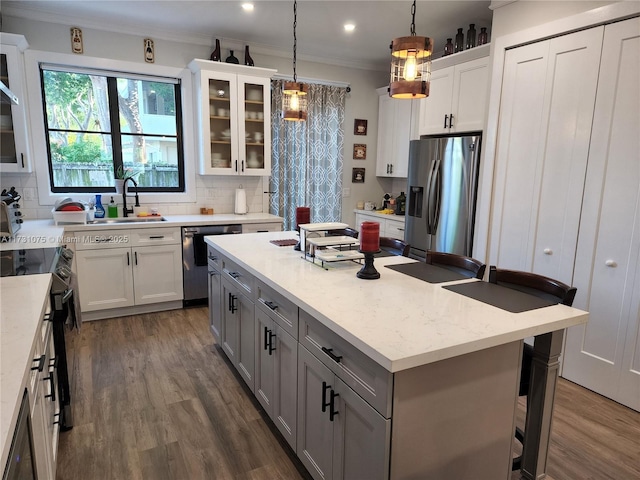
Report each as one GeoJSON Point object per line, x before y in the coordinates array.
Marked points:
{"type": "Point", "coordinates": [194, 260]}
{"type": "Point", "coordinates": [21, 463]}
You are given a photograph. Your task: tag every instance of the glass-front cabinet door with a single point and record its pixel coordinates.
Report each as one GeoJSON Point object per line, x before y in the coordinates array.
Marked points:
{"type": "Point", "coordinates": [14, 146]}
{"type": "Point", "coordinates": [235, 113]}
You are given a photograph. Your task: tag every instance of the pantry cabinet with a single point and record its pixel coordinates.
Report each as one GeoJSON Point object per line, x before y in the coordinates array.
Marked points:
{"type": "Point", "coordinates": [391, 226]}
{"type": "Point", "coordinates": [123, 268]}
{"type": "Point", "coordinates": [457, 94]}
{"type": "Point", "coordinates": [234, 111]}
{"type": "Point", "coordinates": [397, 125]}
{"type": "Point", "coordinates": [566, 191]}
{"type": "Point", "coordinates": [15, 155]}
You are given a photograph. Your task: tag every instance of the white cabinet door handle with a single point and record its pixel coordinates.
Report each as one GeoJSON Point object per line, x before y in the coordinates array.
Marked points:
{"type": "Point", "coordinates": [611, 263]}
{"type": "Point", "coordinates": [548, 251]}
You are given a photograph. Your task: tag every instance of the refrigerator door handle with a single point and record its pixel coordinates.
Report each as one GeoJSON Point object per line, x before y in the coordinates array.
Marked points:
{"type": "Point", "coordinates": [437, 194]}
{"type": "Point", "coordinates": [431, 197]}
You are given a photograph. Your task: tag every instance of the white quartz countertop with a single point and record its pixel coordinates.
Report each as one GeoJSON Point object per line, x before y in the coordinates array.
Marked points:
{"type": "Point", "coordinates": [22, 307]}
{"type": "Point", "coordinates": [397, 320]}
{"type": "Point", "coordinates": [390, 216]}
{"type": "Point", "coordinates": [44, 233]}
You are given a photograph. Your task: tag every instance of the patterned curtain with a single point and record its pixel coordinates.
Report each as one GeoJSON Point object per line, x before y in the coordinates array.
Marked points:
{"type": "Point", "coordinates": [306, 157]}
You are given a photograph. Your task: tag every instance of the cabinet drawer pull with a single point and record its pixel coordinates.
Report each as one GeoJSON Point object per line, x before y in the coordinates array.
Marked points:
{"type": "Point", "coordinates": [135, 257]}
{"type": "Point", "coordinates": [48, 317]}
{"type": "Point", "coordinates": [22, 159]}
{"type": "Point", "coordinates": [332, 405]}
{"type": "Point", "coordinates": [272, 336]}
{"type": "Point", "coordinates": [445, 120]}
{"type": "Point", "coordinates": [271, 305]}
{"type": "Point", "coordinates": [128, 260]}
{"type": "Point", "coordinates": [266, 338]}
{"type": "Point", "coordinates": [58, 416]}
{"type": "Point", "coordinates": [213, 257]}
{"type": "Point", "coordinates": [40, 365]}
{"type": "Point", "coordinates": [451, 120]}
{"type": "Point", "coordinates": [232, 303]}
{"type": "Point", "coordinates": [334, 357]}
{"type": "Point", "coordinates": [234, 275]}
{"type": "Point", "coordinates": [52, 395]}
{"type": "Point", "coordinates": [156, 237]}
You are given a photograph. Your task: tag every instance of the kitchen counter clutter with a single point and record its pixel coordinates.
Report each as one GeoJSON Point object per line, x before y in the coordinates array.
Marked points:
{"type": "Point", "coordinates": [334, 360]}
{"type": "Point", "coordinates": [391, 225]}
{"type": "Point", "coordinates": [22, 307]}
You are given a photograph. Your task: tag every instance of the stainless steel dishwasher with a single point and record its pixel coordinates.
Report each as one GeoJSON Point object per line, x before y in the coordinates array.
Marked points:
{"type": "Point", "coordinates": [194, 260]}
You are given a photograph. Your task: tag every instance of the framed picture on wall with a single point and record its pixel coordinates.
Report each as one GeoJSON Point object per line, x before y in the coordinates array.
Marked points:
{"type": "Point", "coordinates": [359, 127]}
{"type": "Point", "coordinates": [359, 151]}
{"type": "Point", "coordinates": [357, 176]}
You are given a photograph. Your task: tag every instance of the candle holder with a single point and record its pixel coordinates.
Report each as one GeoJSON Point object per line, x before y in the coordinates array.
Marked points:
{"type": "Point", "coordinates": [368, 271]}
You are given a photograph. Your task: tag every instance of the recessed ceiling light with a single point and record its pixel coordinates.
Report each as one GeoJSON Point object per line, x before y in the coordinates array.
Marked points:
{"type": "Point", "coordinates": [349, 27]}
{"type": "Point", "coordinates": [247, 7]}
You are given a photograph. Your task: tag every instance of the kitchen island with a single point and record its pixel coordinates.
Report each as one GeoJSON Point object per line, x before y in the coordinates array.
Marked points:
{"type": "Point", "coordinates": [452, 364]}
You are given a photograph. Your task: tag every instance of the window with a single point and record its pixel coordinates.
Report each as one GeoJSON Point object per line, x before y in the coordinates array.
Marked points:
{"type": "Point", "coordinates": [100, 125]}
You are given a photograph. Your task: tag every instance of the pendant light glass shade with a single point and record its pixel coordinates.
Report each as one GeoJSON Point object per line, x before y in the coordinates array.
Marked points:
{"type": "Point", "coordinates": [294, 101]}
{"type": "Point", "coordinates": [410, 67]}
{"type": "Point", "coordinates": [294, 94]}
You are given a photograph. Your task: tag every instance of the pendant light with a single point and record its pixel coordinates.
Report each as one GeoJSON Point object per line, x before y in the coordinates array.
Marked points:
{"type": "Point", "coordinates": [294, 98]}
{"type": "Point", "coordinates": [410, 64]}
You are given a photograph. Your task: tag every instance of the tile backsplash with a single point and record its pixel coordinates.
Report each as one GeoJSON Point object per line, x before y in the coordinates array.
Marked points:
{"type": "Point", "coordinates": [212, 192]}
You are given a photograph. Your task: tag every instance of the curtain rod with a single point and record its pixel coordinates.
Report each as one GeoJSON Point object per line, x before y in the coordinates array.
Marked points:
{"type": "Point", "coordinates": [314, 80]}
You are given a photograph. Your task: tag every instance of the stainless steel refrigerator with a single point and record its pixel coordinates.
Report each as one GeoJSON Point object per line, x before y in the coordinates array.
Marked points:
{"type": "Point", "coordinates": [442, 189]}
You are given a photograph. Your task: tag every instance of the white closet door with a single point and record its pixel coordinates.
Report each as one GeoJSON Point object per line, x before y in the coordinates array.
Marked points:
{"type": "Point", "coordinates": [518, 171]}
{"type": "Point", "coordinates": [572, 79]}
{"type": "Point", "coordinates": [604, 355]}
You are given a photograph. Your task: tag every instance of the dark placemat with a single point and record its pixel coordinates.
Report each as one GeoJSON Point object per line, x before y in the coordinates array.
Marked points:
{"type": "Point", "coordinates": [284, 243]}
{"type": "Point", "coordinates": [502, 297]}
{"type": "Point", "coordinates": [426, 272]}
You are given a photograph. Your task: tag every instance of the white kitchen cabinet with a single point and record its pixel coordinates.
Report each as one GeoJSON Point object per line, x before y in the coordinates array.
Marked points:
{"type": "Point", "coordinates": [390, 225]}
{"type": "Point", "coordinates": [123, 268]}
{"type": "Point", "coordinates": [604, 354]}
{"type": "Point", "coordinates": [546, 112]}
{"type": "Point", "coordinates": [340, 436]}
{"type": "Point", "coordinates": [215, 293]}
{"type": "Point", "coordinates": [15, 155]}
{"type": "Point", "coordinates": [234, 110]}
{"type": "Point", "coordinates": [397, 125]}
{"type": "Point", "coordinates": [457, 96]}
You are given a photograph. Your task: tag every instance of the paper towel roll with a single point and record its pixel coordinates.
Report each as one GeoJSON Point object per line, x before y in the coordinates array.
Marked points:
{"type": "Point", "coordinates": [241, 201]}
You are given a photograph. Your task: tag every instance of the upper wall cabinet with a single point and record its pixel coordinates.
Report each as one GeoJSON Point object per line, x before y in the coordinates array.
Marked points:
{"type": "Point", "coordinates": [397, 125]}
{"type": "Point", "coordinates": [14, 139]}
{"type": "Point", "coordinates": [234, 110]}
{"type": "Point", "coordinates": [457, 94]}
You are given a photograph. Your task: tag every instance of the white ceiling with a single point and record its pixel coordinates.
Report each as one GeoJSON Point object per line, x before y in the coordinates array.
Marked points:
{"type": "Point", "coordinates": [269, 28]}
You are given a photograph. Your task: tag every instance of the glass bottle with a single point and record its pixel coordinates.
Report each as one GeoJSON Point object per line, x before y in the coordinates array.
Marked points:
{"type": "Point", "coordinates": [247, 58]}
{"type": "Point", "coordinates": [215, 55]}
{"type": "Point", "coordinates": [99, 207]}
{"type": "Point", "coordinates": [483, 36]}
{"type": "Point", "coordinates": [448, 48]}
{"type": "Point", "coordinates": [459, 41]}
{"type": "Point", "coordinates": [232, 58]}
{"type": "Point", "coordinates": [471, 36]}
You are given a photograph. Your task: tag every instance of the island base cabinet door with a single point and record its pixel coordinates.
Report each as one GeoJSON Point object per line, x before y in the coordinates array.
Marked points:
{"type": "Point", "coordinates": [276, 375]}
{"type": "Point", "coordinates": [215, 304]}
{"type": "Point", "coordinates": [285, 391]}
{"type": "Point", "coordinates": [246, 354]}
{"type": "Point", "coordinates": [108, 278]}
{"type": "Point", "coordinates": [315, 430]}
{"type": "Point", "coordinates": [230, 329]}
{"type": "Point", "coordinates": [361, 438]}
{"type": "Point", "coordinates": [157, 274]}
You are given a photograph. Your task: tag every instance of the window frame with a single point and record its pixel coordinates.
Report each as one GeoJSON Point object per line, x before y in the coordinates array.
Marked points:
{"type": "Point", "coordinates": [34, 105]}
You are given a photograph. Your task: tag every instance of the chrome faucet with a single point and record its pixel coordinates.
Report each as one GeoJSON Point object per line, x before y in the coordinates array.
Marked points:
{"type": "Point", "coordinates": [126, 210]}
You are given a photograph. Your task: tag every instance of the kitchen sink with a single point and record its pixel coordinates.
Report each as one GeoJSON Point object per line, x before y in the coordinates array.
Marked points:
{"type": "Point", "coordinates": [103, 221]}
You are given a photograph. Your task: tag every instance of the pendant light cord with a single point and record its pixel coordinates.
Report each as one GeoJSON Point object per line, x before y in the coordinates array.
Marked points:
{"type": "Point", "coordinates": [413, 21]}
{"type": "Point", "coordinates": [295, 39]}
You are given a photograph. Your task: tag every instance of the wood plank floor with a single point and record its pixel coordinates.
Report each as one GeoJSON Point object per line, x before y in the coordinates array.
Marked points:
{"type": "Point", "coordinates": [153, 400]}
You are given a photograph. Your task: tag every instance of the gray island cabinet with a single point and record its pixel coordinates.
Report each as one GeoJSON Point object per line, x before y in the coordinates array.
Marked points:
{"type": "Point", "coordinates": [388, 379]}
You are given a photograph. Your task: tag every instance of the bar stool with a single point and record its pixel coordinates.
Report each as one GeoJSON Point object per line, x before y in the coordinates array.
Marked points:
{"type": "Point", "coordinates": [467, 266]}
{"type": "Point", "coordinates": [540, 286]}
{"type": "Point", "coordinates": [394, 246]}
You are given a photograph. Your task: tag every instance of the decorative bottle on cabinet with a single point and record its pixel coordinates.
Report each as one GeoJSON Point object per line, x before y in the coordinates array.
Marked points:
{"type": "Point", "coordinates": [448, 48]}
{"type": "Point", "coordinates": [247, 58]}
{"type": "Point", "coordinates": [483, 36]}
{"type": "Point", "coordinates": [232, 58]}
{"type": "Point", "coordinates": [471, 36]}
{"type": "Point", "coordinates": [215, 55]}
{"type": "Point", "coordinates": [459, 41]}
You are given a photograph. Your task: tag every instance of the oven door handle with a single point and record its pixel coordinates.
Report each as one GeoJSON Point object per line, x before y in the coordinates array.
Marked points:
{"type": "Point", "coordinates": [67, 295]}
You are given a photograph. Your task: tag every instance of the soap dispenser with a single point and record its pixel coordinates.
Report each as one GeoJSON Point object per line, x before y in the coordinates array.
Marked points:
{"type": "Point", "coordinates": [99, 208]}
{"type": "Point", "coordinates": [112, 209]}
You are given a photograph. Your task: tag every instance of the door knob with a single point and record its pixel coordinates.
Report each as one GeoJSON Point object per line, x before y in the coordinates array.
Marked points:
{"type": "Point", "coordinates": [611, 263]}
{"type": "Point", "coordinates": [548, 251]}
